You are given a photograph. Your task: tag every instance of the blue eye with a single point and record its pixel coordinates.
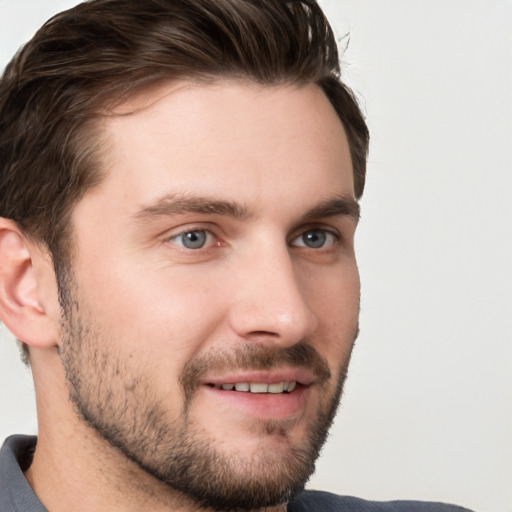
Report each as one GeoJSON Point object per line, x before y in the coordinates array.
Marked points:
{"type": "Point", "coordinates": [191, 239]}
{"type": "Point", "coordinates": [315, 239]}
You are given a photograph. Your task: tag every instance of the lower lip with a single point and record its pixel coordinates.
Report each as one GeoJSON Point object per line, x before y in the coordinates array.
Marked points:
{"type": "Point", "coordinates": [267, 406]}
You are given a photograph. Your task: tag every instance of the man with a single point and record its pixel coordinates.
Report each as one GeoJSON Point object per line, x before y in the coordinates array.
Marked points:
{"type": "Point", "coordinates": [179, 184]}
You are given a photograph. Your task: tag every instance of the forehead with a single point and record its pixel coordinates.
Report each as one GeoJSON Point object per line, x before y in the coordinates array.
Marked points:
{"type": "Point", "coordinates": [226, 138]}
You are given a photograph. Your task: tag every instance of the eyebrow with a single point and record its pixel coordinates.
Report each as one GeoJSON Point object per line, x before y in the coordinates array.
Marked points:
{"type": "Point", "coordinates": [176, 204]}
{"type": "Point", "coordinates": [338, 206]}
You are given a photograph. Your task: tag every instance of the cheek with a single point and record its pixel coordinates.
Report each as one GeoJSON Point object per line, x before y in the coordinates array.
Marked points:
{"type": "Point", "coordinates": [334, 298]}
{"type": "Point", "coordinates": [162, 315]}
{"type": "Point", "coordinates": [333, 293]}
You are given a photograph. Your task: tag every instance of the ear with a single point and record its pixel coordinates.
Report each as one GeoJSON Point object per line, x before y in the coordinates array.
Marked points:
{"type": "Point", "coordinates": [28, 291]}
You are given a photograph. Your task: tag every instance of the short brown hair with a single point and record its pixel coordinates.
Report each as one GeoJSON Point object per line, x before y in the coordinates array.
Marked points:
{"type": "Point", "coordinates": [86, 60]}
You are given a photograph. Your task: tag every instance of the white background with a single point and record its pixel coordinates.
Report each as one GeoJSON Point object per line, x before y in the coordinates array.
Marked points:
{"type": "Point", "coordinates": [427, 411]}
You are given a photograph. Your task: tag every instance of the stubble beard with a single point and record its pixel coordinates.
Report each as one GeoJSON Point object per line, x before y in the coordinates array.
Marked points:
{"type": "Point", "coordinates": [122, 407]}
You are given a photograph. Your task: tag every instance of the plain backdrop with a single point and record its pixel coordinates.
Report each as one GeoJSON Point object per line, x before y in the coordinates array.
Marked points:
{"type": "Point", "coordinates": [427, 411]}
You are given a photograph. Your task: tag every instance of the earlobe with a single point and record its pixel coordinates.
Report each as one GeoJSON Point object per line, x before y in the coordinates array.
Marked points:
{"type": "Point", "coordinates": [24, 307]}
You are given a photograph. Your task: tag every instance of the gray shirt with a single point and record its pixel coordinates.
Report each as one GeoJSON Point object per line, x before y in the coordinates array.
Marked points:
{"type": "Point", "coordinates": [16, 495]}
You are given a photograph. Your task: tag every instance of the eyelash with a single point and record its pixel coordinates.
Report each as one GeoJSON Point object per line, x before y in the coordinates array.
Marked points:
{"type": "Point", "coordinates": [331, 235]}
{"type": "Point", "coordinates": [334, 237]}
{"type": "Point", "coordinates": [209, 235]}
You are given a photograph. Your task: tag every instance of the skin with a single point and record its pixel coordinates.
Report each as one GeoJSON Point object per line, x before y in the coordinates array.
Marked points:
{"type": "Point", "coordinates": [151, 306]}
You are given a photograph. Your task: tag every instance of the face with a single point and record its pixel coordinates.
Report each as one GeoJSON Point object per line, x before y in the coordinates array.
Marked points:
{"type": "Point", "coordinates": [212, 301]}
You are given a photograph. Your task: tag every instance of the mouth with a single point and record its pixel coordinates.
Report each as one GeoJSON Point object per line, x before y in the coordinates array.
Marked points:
{"type": "Point", "coordinates": [276, 388]}
{"type": "Point", "coordinates": [270, 382]}
{"type": "Point", "coordinates": [268, 395]}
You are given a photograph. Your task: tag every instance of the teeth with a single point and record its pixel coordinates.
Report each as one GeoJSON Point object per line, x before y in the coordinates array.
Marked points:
{"type": "Point", "coordinates": [260, 387]}
{"type": "Point", "coordinates": [276, 388]}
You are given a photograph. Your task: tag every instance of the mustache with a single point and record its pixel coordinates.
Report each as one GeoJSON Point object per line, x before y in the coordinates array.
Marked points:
{"type": "Point", "coordinates": [253, 356]}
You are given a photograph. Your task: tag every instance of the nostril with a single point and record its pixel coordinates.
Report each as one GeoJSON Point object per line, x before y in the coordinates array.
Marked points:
{"type": "Point", "coordinates": [264, 333]}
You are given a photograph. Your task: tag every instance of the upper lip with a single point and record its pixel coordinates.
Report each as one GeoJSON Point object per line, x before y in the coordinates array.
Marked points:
{"type": "Point", "coordinates": [299, 375]}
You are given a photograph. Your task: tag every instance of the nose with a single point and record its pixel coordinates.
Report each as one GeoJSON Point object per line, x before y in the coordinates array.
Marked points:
{"type": "Point", "coordinates": [269, 304]}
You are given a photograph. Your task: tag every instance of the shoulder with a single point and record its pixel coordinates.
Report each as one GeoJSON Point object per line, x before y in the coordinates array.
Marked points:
{"type": "Point", "coordinates": [16, 495]}
{"type": "Point", "coordinates": [316, 501]}
{"type": "Point", "coordinates": [19, 448]}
